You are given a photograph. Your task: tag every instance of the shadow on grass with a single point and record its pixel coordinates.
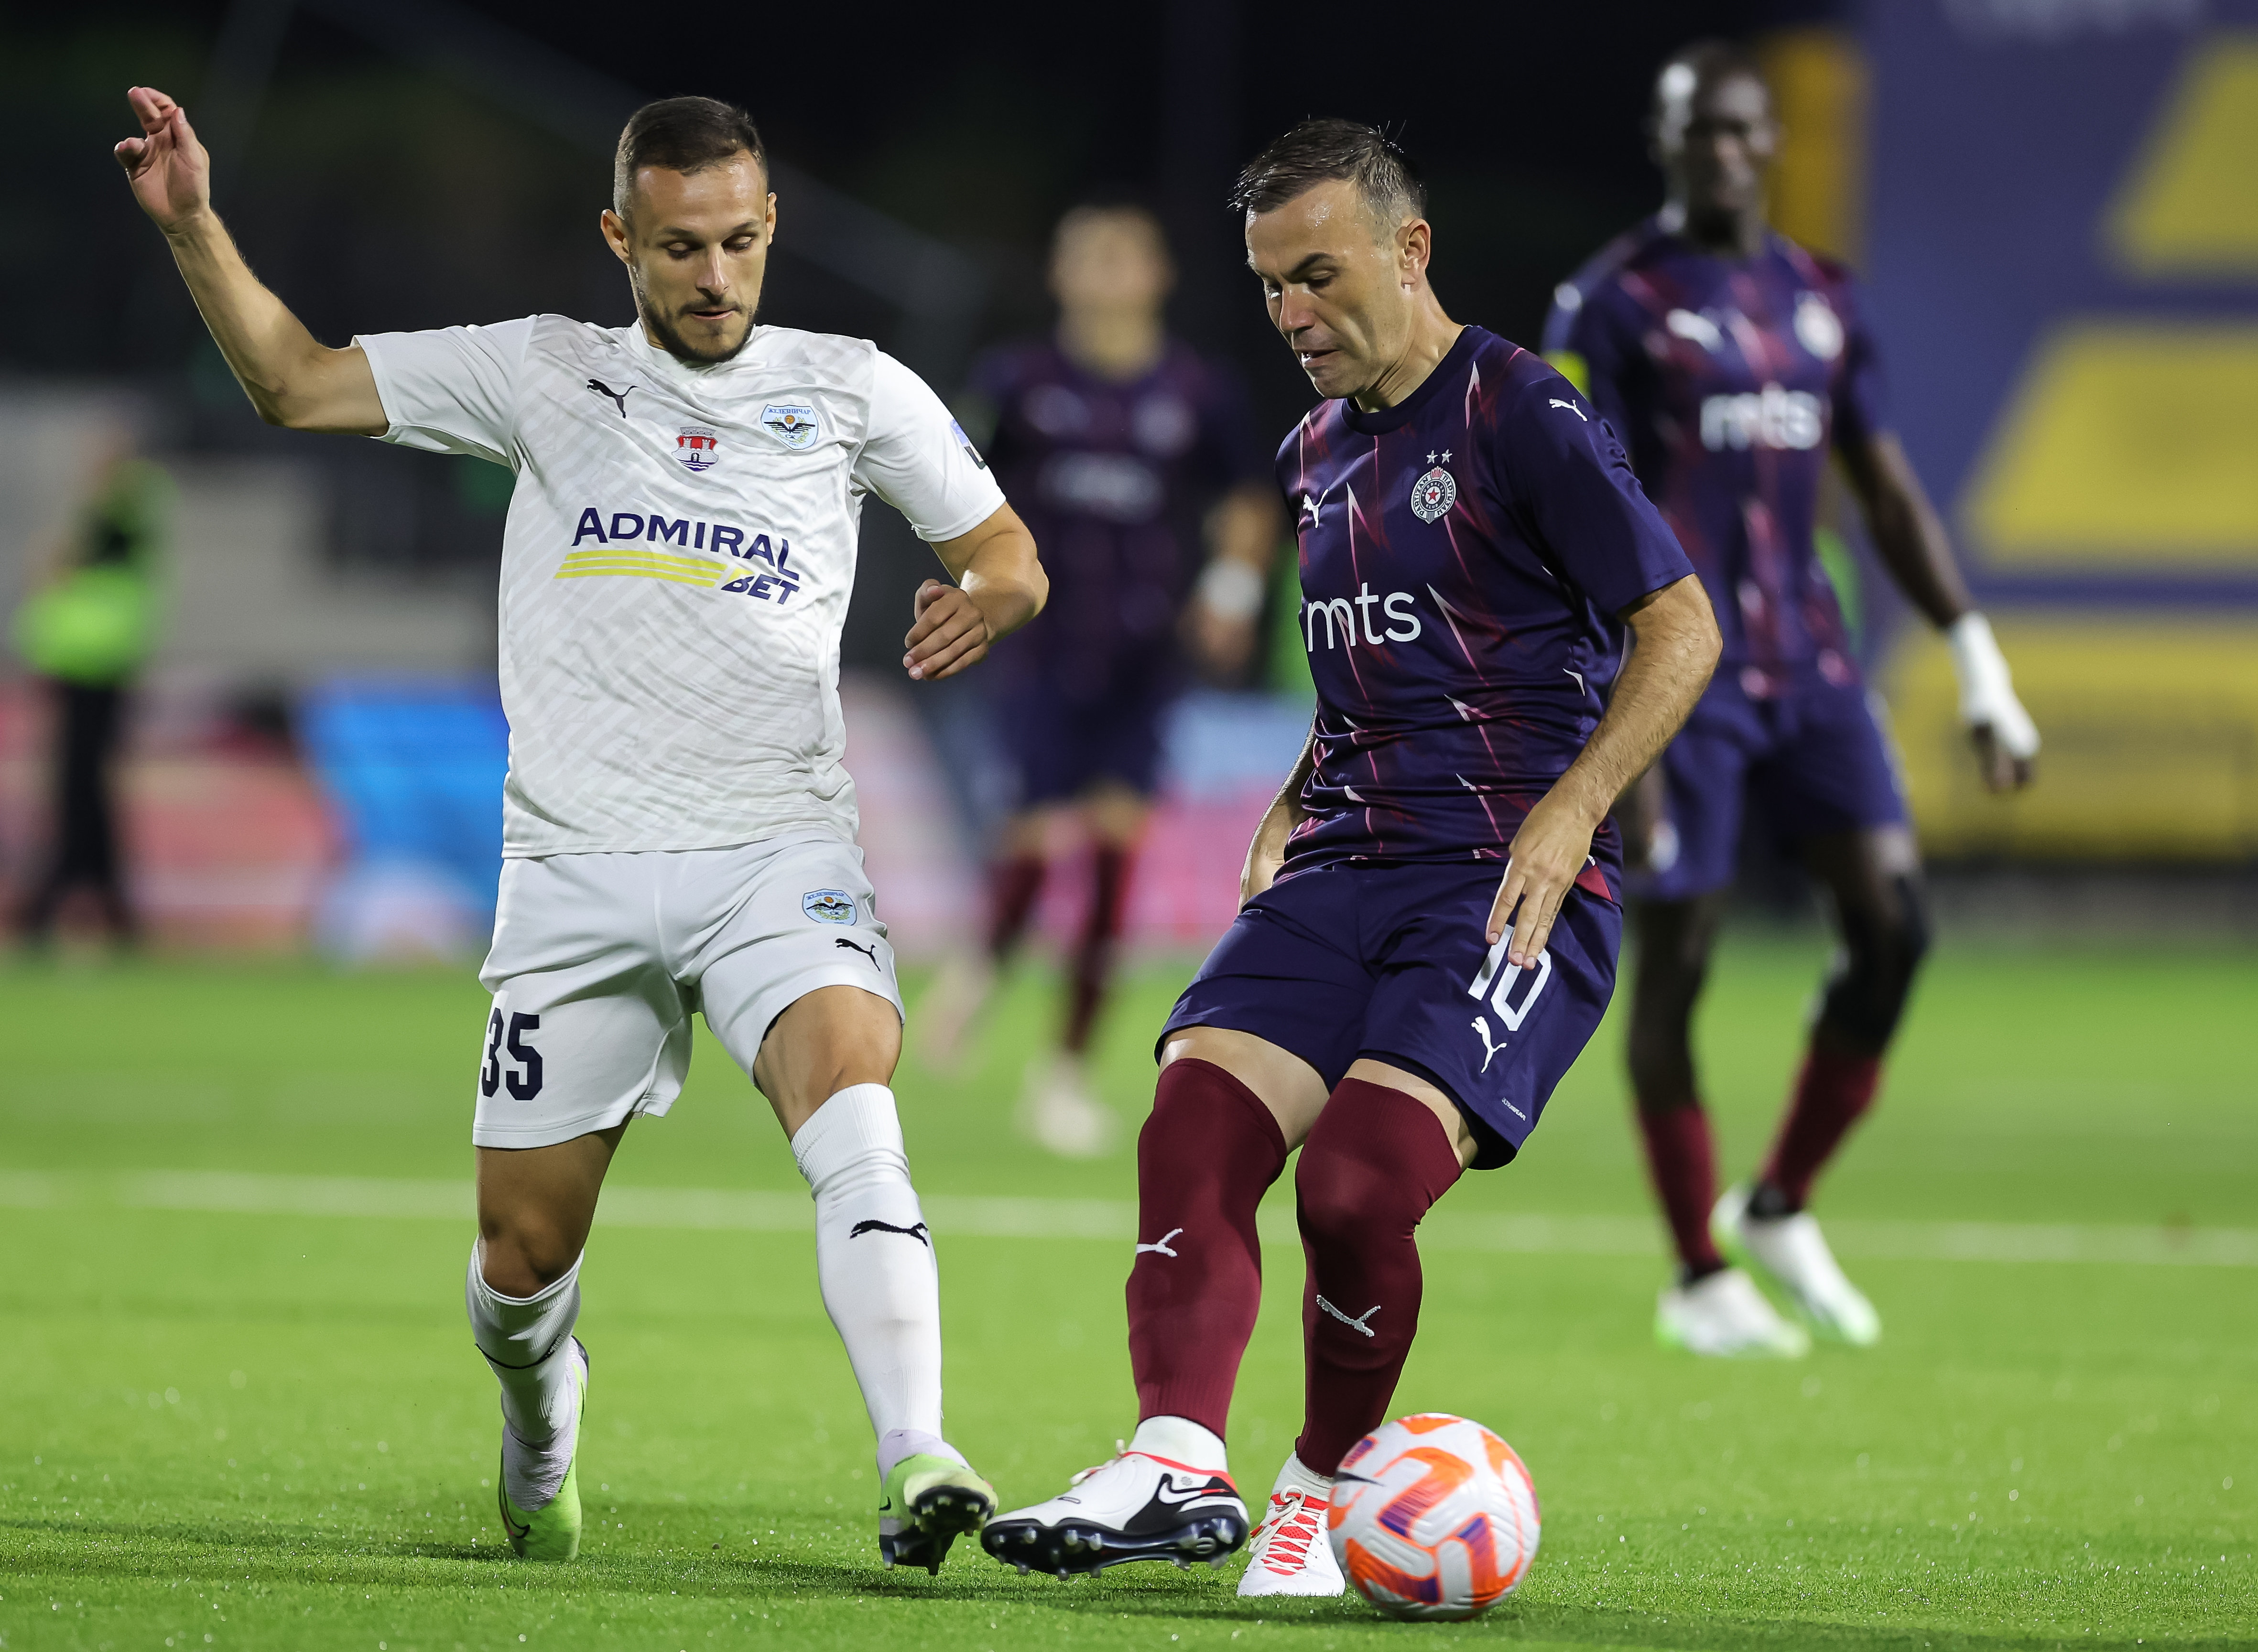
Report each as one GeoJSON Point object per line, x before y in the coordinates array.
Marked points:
{"type": "Point", "coordinates": [276, 1553]}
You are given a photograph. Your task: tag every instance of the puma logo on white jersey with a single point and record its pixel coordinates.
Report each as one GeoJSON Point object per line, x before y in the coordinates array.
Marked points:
{"type": "Point", "coordinates": [1489, 1050]}
{"type": "Point", "coordinates": [1160, 1247]}
{"type": "Point", "coordinates": [1357, 1324]}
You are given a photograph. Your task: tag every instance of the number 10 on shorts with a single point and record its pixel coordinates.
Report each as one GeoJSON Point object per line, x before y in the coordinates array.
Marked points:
{"type": "Point", "coordinates": [1513, 1015]}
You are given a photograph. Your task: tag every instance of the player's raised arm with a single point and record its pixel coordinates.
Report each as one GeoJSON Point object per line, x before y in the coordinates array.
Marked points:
{"type": "Point", "coordinates": [1675, 647]}
{"type": "Point", "coordinates": [291, 377]}
{"type": "Point", "coordinates": [1911, 539]}
{"type": "Point", "coordinates": [1000, 585]}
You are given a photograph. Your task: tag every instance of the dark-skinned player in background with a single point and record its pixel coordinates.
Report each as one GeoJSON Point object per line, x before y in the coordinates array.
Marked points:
{"type": "Point", "coordinates": [1140, 476]}
{"type": "Point", "coordinates": [1731, 361]}
{"type": "Point", "coordinates": [1430, 922]}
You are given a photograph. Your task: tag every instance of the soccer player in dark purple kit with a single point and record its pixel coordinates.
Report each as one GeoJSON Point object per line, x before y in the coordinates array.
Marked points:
{"type": "Point", "coordinates": [1134, 455]}
{"type": "Point", "coordinates": [1429, 926]}
{"type": "Point", "coordinates": [1731, 361]}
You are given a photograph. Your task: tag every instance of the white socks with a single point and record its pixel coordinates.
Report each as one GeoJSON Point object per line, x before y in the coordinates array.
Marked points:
{"type": "Point", "coordinates": [527, 1341]}
{"type": "Point", "coordinates": [1297, 1476]}
{"type": "Point", "coordinates": [1180, 1440]}
{"type": "Point", "coordinates": [874, 1260]}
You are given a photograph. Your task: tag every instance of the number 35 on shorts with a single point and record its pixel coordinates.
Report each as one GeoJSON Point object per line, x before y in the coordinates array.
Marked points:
{"type": "Point", "coordinates": [509, 1058]}
{"type": "Point", "coordinates": [1507, 982]}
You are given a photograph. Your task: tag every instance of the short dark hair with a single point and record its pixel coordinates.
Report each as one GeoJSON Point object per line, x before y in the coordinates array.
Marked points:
{"type": "Point", "coordinates": [1704, 63]}
{"type": "Point", "coordinates": [1324, 151]}
{"type": "Point", "coordinates": [682, 134]}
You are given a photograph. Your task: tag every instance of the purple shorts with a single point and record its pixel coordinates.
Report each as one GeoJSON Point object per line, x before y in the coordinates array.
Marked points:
{"type": "Point", "coordinates": [1059, 748]}
{"type": "Point", "coordinates": [1390, 962]}
{"type": "Point", "coordinates": [1813, 761]}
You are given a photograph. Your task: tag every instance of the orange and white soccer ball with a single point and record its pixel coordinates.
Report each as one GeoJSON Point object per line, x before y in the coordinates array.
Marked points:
{"type": "Point", "coordinates": [1433, 1516]}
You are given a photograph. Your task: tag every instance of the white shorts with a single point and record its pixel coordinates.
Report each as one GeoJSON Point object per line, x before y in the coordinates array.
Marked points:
{"type": "Point", "coordinates": [599, 960]}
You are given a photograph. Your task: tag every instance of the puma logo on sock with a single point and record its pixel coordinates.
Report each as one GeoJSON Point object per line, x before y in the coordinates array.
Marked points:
{"type": "Point", "coordinates": [916, 1232]}
{"type": "Point", "coordinates": [1357, 1324]}
{"type": "Point", "coordinates": [1160, 1246]}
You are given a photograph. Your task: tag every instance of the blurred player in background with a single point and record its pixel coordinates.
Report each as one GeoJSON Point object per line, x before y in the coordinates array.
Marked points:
{"type": "Point", "coordinates": [1731, 361]}
{"type": "Point", "coordinates": [678, 829]}
{"type": "Point", "coordinates": [1134, 464]}
{"type": "Point", "coordinates": [88, 629]}
{"type": "Point", "coordinates": [1429, 925]}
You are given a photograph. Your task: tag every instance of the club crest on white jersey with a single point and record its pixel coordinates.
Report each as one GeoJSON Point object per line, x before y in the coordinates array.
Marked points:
{"type": "Point", "coordinates": [828, 905]}
{"type": "Point", "coordinates": [1434, 494]}
{"type": "Point", "coordinates": [697, 447]}
{"type": "Point", "coordinates": [795, 425]}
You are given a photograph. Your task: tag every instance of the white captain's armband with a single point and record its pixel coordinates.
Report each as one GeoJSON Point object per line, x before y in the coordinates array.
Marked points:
{"type": "Point", "coordinates": [1987, 689]}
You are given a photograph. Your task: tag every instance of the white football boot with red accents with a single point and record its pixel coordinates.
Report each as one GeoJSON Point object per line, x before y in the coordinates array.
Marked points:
{"type": "Point", "coordinates": [1291, 1553]}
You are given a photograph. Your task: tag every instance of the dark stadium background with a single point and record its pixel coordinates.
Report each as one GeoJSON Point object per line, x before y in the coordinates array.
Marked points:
{"type": "Point", "coordinates": [393, 164]}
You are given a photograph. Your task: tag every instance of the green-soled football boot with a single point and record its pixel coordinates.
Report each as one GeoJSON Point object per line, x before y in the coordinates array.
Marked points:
{"type": "Point", "coordinates": [552, 1532]}
{"type": "Point", "coordinates": [927, 1502]}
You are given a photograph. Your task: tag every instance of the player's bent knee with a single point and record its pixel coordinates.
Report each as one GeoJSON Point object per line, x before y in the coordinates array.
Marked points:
{"type": "Point", "coordinates": [524, 1260]}
{"type": "Point", "coordinates": [1882, 953]}
{"type": "Point", "coordinates": [827, 1040]}
{"type": "Point", "coordinates": [1337, 1197]}
{"type": "Point", "coordinates": [1377, 1159]}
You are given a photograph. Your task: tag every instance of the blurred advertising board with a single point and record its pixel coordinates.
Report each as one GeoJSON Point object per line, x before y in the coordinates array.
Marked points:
{"type": "Point", "coordinates": [2062, 243]}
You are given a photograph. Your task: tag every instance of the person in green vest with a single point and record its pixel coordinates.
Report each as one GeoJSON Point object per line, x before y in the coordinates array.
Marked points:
{"type": "Point", "coordinates": [88, 627]}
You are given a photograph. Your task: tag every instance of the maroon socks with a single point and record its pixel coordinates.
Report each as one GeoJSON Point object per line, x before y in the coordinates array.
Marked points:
{"type": "Point", "coordinates": [1683, 1161]}
{"type": "Point", "coordinates": [1204, 1158]}
{"type": "Point", "coordinates": [1093, 954]}
{"type": "Point", "coordinates": [1374, 1166]}
{"type": "Point", "coordinates": [1831, 1093]}
{"type": "Point", "coordinates": [1012, 886]}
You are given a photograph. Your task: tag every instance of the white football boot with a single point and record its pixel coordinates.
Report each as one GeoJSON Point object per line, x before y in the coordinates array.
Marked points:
{"type": "Point", "coordinates": [1061, 1110]}
{"type": "Point", "coordinates": [1292, 1553]}
{"type": "Point", "coordinates": [1134, 1507]}
{"type": "Point", "coordinates": [1793, 1252]}
{"type": "Point", "coordinates": [1722, 1315]}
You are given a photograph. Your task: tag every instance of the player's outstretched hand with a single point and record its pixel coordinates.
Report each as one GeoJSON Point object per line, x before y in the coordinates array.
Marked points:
{"type": "Point", "coordinates": [1542, 865]}
{"type": "Point", "coordinates": [951, 633]}
{"type": "Point", "coordinates": [168, 170]}
{"type": "Point", "coordinates": [2003, 771]}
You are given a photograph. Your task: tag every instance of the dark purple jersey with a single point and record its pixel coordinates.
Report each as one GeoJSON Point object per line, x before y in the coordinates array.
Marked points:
{"type": "Point", "coordinates": [1113, 480]}
{"type": "Point", "coordinates": [1728, 378]}
{"type": "Point", "coordinates": [1463, 555]}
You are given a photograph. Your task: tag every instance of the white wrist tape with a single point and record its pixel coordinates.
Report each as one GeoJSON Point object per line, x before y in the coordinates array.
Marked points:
{"type": "Point", "coordinates": [1231, 589]}
{"type": "Point", "coordinates": [1987, 689]}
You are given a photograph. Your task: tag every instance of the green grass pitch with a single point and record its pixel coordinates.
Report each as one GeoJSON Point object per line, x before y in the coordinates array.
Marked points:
{"type": "Point", "coordinates": [223, 1430]}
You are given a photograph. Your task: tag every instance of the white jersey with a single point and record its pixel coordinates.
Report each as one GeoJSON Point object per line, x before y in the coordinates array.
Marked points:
{"type": "Point", "coordinates": [676, 564]}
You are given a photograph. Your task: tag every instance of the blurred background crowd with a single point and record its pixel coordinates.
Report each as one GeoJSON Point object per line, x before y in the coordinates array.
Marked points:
{"type": "Point", "coordinates": [250, 704]}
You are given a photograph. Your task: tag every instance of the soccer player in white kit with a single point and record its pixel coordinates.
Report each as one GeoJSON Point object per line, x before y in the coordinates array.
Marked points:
{"type": "Point", "coordinates": [678, 829]}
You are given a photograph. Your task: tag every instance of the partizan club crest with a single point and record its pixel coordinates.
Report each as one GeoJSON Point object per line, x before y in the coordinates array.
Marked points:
{"type": "Point", "coordinates": [696, 447]}
{"type": "Point", "coordinates": [1434, 493]}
